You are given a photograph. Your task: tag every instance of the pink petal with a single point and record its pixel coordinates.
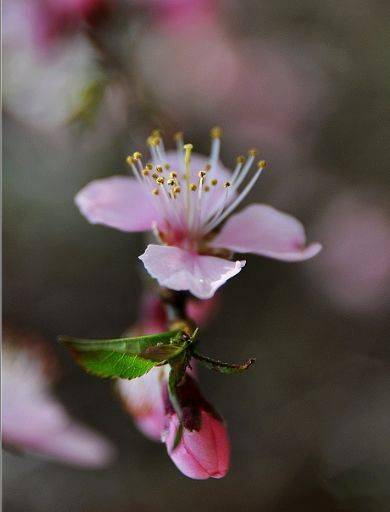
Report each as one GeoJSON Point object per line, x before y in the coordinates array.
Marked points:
{"type": "Point", "coordinates": [183, 270]}
{"type": "Point", "coordinates": [263, 230]}
{"type": "Point", "coordinates": [32, 419]}
{"type": "Point", "coordinates": [142, 398]}
{"type": "Point", "coordinates": [203, 454]}
{"type": "Point", "coordinates": [43, 427]}
{"type": "Point", "coordinates": [118, 202]}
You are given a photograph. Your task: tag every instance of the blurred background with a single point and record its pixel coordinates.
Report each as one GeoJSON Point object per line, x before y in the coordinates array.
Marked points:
{"type": "Point", "coordinates": [308, 83]}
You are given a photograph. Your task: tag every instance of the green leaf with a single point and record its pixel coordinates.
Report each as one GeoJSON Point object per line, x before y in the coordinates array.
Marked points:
{"type": "Point", "coordinates": [220, 366]}
{"type": "Point", "coordinates": [126, 358]}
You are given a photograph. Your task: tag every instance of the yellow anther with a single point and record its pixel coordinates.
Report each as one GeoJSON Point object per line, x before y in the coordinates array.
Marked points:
{"type": "Point", "coordinates": [149, 166]}
{"type": "Point", "coordinates": [193, 187]}
{"type": "Point", "coordinates": [153, 140]}
{"type": "Point", "coordinates": [178, 136]}
{"type": "Point", "coordinates": [154, 175]}
{"type": "Point", "coordinates": [187, 158]}
{"type": "Point", "coordinates": [167, 167]}
{"type": "Point", "coordinates": [206, 188]}
{"type": "Point", "coordinates": [159, 169]}
{"type": "Point", "coordinates": [160, 180]}
{"type": "Point", "coordinates": [216, 132]}
{"type": "Point", "coordinates": [156, 133]}
{"type": "Point", "coordinates": [214, 182]}
{"type": "Point", "coordinates": [171, 182]}
{"type": "Point", "coordinates": [226, 184]}
{"type": "Point", "coordinates": [252, 152]}
{"type": "Point", "coordinates": [261, 164]}
{"type": "Point", "coordinates": [130, 160]}
{"type": "Point", "coordinates": [240, 159]}
{"type": "Point", "coordinates": [172, 175]}
{"type": "Point", "coordinates": [137, 155]}
{"type": "Point", "coordinates": [145, 172]}
{"type": "Point", "coordinates": [155, 191]}
{"type": "Point", "coordinates": [177, 190]}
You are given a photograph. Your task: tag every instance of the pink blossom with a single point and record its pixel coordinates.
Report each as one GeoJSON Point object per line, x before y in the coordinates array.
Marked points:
{"type": "Point", "coordinates": [184, 198]}
{"type": "Point", "coordinates": [204, 449]}
{"type": "Point", "coordinates": [55, 18]}
{"type": "Point", "coordinates": [186, 220]}
{"type": "Point", "coordinates": [32, 419]}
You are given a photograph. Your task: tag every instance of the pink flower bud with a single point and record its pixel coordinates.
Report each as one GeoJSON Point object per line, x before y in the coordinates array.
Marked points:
{"type": "Point", "coordinates": [198, 445]}
{"type": "Point", "coordinates": [200, 454]}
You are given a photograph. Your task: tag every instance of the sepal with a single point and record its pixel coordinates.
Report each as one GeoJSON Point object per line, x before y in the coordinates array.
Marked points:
{"type": "Point", "coordinates": [220, 366]}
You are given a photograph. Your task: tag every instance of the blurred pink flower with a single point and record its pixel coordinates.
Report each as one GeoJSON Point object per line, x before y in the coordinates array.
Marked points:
{"type": "Point", "coordinates": [142, 399]}
{"type": "Point", "coordinates": [354, 270]}
{"type": "Point", "coordinates": [32, 419]}
{"type": "Point", "coordinates": [153, 317]}
{"type": "Point", "coordinates": [204, 449]}
{"type": "Point", "coordinates": [53, 19]}
{"type": "Point", "coordinates": [185, 207]}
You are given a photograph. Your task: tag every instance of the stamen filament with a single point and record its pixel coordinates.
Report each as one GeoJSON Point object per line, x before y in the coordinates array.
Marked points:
{"type": "Point", "coordinates": [236, 202]}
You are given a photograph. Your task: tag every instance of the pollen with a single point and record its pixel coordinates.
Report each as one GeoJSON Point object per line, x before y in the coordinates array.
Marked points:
{"type": "Point", "coordinates": [206, 188]}
{"type": "Point", "coordinates": [159, 169]}
{"type": "Point", "coordinates": [177, 190]}
{"type": "Point", "coordinates": [253, 152]}
{"type": "Point", "coordinates": [261, 164]}
{"type": "Point", "coordinates": [137, 155]}
{"type": "Point", "coordinates": [214, 182]}
{"type": "Point", "coordinates": [130, 160]}
{"type": "Point", "coordinates": [216, 132]}
{"type": "Point", "coordinates": [145, 172]}
{"type": "Point", "coordinates": [172, 175]}
{"type": "Point", "coordinates": [171, 182]}
{"type": "Point", "coordinates": [156, 133]}
{"type": "Point", "coordinates": [193, 187]}
{"type": "Point", "coordinates": [149, 166]}
{"type": "Point", "coordinates": [155, 191]}
{"type": "Point", "coordinates": [154, 175]}
{"type": "Point", "coordinates": [226, 184]}
{"type": "Point", "coordinates": [160, 180]}
{"type": "Point", "coordinates": [167, 167]}
{"type": "Point", "coordinates": [240, 159]}
{"type": "Point", "coordinates": [202, 174]}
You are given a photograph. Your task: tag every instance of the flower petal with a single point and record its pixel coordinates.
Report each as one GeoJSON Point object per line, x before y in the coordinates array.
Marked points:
{"type": "Point", "coordinates": [183, 270]}
{"type": "Point", "coordinates": [142, 398]}
{"type": "Point", "coordinates": [263, 230]}
{"type": "Point", "coordinates": [118, 202]}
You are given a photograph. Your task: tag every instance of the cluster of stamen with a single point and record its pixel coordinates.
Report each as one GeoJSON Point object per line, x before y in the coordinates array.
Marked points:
{"type": "Point", "coordinates": [181, 201]}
